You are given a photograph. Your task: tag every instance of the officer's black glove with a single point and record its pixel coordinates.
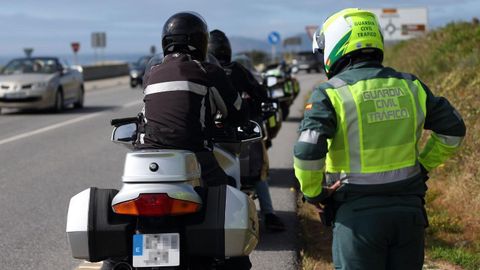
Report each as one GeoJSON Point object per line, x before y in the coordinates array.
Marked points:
{"type": "Point", "coordinates": [424, 173]}
{"type": "Point", "coordinates": [327, 191]}
{"type": "Point", "coordinates": [325, 209]}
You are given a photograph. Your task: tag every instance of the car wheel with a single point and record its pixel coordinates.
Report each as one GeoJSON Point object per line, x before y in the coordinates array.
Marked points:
{"type": "Point", "coordinates": [58, 106]}
{"type": "Point", "coordinates": [285, 111]}
{"type": "Point", "coordinates": [133, 83]}
{"type": "Point", "coordinates": [81, 98]}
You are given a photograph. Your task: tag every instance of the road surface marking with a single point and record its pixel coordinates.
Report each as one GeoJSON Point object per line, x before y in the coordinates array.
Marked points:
{"type": "Point", "coordinates": [61, 124]}
{"type": "Point", "coordinates": [88, 265]}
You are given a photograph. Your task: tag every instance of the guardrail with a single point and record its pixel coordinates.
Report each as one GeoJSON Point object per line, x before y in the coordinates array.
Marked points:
{"type": "Point", "coordinates": [95, 72]}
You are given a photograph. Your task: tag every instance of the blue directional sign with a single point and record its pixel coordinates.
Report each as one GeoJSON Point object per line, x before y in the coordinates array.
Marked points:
{"type": "Point", "coordinates": [274, 38]}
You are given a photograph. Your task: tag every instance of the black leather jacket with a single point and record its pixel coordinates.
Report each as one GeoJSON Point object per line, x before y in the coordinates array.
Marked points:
{"type": "Point", "coordinates": [181, 98]}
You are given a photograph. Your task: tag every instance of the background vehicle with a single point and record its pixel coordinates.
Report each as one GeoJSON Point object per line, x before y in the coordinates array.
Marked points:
{"type": "Point", "coordinates": [39, 83]}
{"type": "Point", "coordinates": [271, 112]}
{"type": "Point", "coordinates": [280, 87]}
{"type": "Point", "coordinates": [308, 61]}
{"type": "Point", "coordinates": [137, 70]}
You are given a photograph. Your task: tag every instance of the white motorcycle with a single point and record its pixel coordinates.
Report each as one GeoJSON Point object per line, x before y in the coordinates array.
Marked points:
{"type": "Point", "coordinates": [164, 217]}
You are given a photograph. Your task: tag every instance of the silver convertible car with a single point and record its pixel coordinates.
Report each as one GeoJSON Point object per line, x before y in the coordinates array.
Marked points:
{"type": "Point", "coordinates": [40, 83]}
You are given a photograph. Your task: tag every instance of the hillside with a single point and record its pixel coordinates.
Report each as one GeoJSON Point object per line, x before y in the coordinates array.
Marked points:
{"type": "Point", "coordinates": [448, 61]}
{"type": "Point", "coordinates": [243, 44]}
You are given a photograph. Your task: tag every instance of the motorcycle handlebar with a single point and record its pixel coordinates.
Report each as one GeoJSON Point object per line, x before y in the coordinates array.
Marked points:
{"type": "Point", "coordinates": [227, 133]}
{"type": "Point", "coordinates": [121, 121]}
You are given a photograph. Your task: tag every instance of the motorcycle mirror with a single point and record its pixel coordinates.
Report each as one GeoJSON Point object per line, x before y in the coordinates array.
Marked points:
{"type": "Point", "coordinates": [125, 134]}
{"type": "Point", "coordinates": [256, 133]}
{"type": "Point", "coordinates": [271, 81]}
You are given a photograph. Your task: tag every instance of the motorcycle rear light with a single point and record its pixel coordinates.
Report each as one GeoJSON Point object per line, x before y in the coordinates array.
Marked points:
{"type": "Point", "coordinates": [155, 205]}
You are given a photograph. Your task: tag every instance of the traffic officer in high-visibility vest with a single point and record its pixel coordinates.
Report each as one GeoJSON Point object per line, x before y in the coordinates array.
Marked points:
{"type": "Point", "coordinates": [358, 147]}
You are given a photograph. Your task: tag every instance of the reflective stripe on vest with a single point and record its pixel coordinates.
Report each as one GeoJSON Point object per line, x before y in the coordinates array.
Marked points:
{"type": "Point", "coordinates": [309, 165]}
{"type": "Point", "coordinates": [373, 178]}
{"type": "Point", "coordinates": [420, 103]}
{"type": "Point", "coordinates": [380, 121]}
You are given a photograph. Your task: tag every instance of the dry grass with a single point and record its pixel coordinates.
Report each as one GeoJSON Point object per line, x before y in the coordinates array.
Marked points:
{"type": "Point", "coordinates": [448, 61]}
{"type": "Point", "coordinates": [317, 239]}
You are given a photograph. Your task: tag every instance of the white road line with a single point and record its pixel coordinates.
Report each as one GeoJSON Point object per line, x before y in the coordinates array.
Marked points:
{"type": "Point", "coordinates": [61, 124]}
{"type": "Point", "coordinates": [88, 265]}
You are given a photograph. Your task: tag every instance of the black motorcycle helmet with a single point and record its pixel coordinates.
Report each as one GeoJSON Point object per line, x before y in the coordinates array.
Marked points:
{"type": "Point", "coordinates": [185, 32]}
{"type": "Point", "coordinates": [212, 60]}
{"type": "Point", "coordinates": [219, 46]}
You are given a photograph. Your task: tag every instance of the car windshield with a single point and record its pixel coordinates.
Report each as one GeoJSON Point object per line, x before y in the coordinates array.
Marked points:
{"type": "Point", "coordinates": [143, 61]}
{"type": "Point", "coordinates": [30, 65]}
{"type": "Point", "coordinates": [305, 56]}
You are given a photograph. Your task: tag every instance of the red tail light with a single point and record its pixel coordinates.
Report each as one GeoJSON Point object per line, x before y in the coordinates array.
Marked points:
{"type": "Point", "coordinates": [154, 205]}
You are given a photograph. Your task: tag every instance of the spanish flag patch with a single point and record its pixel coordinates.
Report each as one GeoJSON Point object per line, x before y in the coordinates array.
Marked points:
{"type": "Point", "coordinates": [309, 106]}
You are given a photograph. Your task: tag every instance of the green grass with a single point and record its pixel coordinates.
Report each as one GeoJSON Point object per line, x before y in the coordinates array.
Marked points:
{"type": "Point", "coordinates": [458, 256]}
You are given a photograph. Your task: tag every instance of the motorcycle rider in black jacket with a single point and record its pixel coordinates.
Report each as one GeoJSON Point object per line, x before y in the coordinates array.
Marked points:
{"type": "Point", "coordinates": [182, 94]}
{"type": "Point", "coordinates": [254, 94]}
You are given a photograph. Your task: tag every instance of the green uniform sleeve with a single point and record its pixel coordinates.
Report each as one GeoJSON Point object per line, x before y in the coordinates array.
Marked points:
{"type": "Point", "coordinates": [318, 124]}
{"type": "Point", "coordinates": [448, 131]}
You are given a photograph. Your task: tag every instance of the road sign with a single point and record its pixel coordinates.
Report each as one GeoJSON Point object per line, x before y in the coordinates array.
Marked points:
{"type": "Point", "coordinates": [292, 41]}
{"type": "Point", "coordinates": [311, 30]}
{"type": "Point", "coordinates": [28, 52]}
{"type": "Point", "coordinates": [153, 50]}
{"type": "Point", "coordinates": [75, 46]}
{"type": "Point", "coordinates": [274, 38]}
{"type": "Point", "coordinates": [402, 23]}
{"type": "Point", "coordinates": [99, 40]}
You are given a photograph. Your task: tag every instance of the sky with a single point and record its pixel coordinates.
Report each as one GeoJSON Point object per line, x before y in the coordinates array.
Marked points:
{"type": "Point", "coordinates": [132, 26]}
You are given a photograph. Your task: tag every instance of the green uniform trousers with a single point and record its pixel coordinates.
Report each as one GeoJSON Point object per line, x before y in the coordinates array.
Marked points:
{"type": "Point", "coordinates": [379, 233]}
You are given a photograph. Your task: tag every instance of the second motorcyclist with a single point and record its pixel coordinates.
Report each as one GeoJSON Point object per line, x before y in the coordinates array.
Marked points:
{"type": "Point", "coordinates": [254, 93]}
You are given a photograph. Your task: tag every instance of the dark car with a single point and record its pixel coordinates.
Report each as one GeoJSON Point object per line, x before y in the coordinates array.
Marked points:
{"type": "Point", "coordinates": [308, 61]}
{"type": "Point", "coordinates": [137, 69]}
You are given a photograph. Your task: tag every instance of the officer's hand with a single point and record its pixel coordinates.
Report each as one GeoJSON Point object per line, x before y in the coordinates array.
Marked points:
{"type": "Point", "coordinates": [331, 189]}
{"type": "Point", "coordinates": [327, 191]}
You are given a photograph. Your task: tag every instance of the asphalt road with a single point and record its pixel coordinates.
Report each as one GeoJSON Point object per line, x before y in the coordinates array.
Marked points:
{"type": "Point", "coordinates": [47, 158]}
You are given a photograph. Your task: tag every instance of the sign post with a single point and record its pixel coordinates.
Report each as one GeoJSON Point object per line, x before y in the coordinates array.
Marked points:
{"type": "Point", "coordinates": [274, 39]}
{"type": "Point", "coordinates": [153, 50]}
{"type": "Point", "coordinates": [99, 40]}
{"type": "Point", "coordinates": [28, 52]}
{"type": "Point", "coordinates": [75, 49]}
{"type": "Point", "coordinates": [311, 30]}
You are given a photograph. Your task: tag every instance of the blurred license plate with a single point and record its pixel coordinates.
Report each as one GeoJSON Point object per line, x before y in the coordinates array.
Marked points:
{"type": "Point", "coordinates": [14, 95]}
{"type": "Point", "coordinates": [154, 250]}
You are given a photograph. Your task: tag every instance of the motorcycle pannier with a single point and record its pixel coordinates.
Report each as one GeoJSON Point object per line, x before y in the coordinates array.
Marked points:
{"type": "Point", "coordinates": [94, 231]}
{"type": "Point", "coordinates": [228, 226]}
